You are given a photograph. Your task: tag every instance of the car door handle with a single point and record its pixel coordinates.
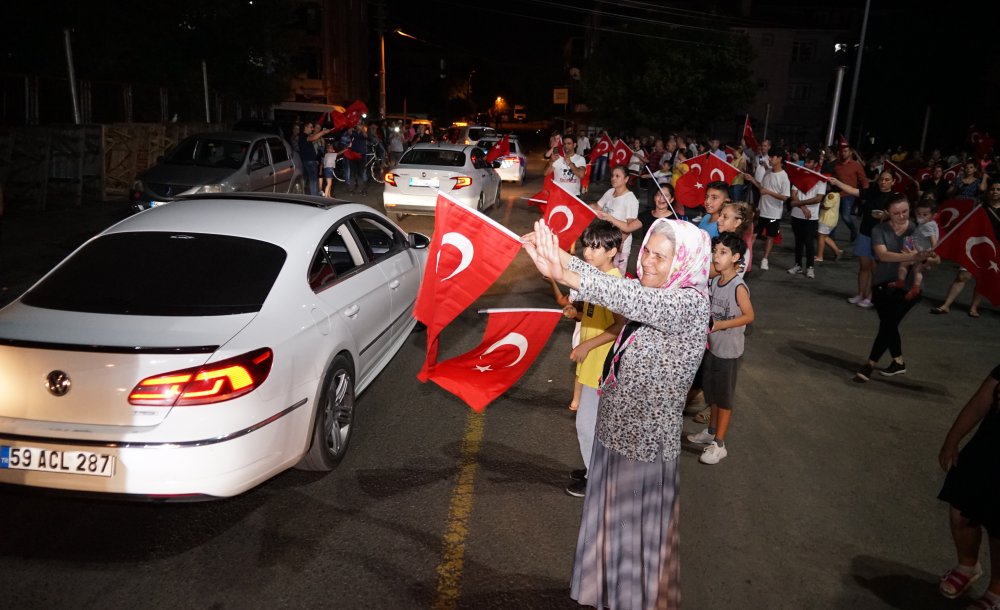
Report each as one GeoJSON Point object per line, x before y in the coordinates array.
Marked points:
{"type": "Point", "coordinates": [352, 311]}
{"type": "Point", "coordinates": [394, 284]}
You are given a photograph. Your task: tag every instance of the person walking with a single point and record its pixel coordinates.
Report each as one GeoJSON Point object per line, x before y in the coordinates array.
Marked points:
{"type": "Point", "coordinates": [309, 156]}
{"type": "Point", "coordinates": [889, 244]}
{"type": "Point", "coordinates": [805, 221]}
{"type": "Point", "coordinates": [774, 190]}
{"type": "Point", "coordinates": [848, 170]}
{"type": "Point", "coordinates": [627, 552]}
{"type": "Point", "coordinates": [972, 492]}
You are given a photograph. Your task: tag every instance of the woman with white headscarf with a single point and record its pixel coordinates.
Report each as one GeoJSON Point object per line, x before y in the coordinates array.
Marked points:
{"type": "Point", "coordinates": [627, 550]}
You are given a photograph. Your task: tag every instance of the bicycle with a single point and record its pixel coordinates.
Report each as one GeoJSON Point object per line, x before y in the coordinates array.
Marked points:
{"type": "Point", "coordinates": [374, 165]}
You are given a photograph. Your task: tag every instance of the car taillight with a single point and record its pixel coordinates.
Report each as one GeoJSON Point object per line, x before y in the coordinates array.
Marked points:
{"type": "Point", "coordinates": [514, 160]}
{"type": "Point", "coordinates": [390, 178]}
{"type": "Point", "coordinates": [215, 382]}
{"type": "Point", "coordinates": [461, 182]}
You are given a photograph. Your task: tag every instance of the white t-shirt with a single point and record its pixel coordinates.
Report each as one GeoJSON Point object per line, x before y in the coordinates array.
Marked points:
{"type": "Point", "coordinates": [818, 189]}
{"type": "Point", "coordinates": [623, 208]}
{"type": "Point", "coordinates": [562, 173]}
{"type": "Point", "coordinates": [772, 207]}
{"type": "Point", "coordinates": [330, 159]}
{"type": "Point", "coordinates": [583, 143]}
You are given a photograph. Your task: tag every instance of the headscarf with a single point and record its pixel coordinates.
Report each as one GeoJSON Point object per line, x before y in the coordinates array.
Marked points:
{"type": "Point", "coordinates": [692, 256]}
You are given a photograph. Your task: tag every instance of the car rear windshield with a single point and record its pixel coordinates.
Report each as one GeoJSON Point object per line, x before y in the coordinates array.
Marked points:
{"type": "Point", "coordinates": [434, 157]}
{"type": "Point", "coordinates": [163, 274]}
{"type": "Point", "coordinates": [209, 152]}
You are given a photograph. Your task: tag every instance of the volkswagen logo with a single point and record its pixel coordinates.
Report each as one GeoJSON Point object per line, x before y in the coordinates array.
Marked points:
{"type": "Point", "coordinates": [58, 383]}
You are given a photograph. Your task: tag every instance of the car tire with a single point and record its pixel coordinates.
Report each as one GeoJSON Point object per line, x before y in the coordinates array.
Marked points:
{"type": "Point", "coordinates": [334, 420]}
{"type": "Point", "coordinates": [482, 201]}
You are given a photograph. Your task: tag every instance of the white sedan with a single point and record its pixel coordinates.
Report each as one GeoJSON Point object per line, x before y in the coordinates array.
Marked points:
{"type": "Point", "coordinates": [199, 348]}
{"type": "Point", "coordinates": [459, 170]}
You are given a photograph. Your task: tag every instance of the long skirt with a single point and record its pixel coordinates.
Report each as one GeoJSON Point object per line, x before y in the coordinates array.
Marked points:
{"type": "Point", "coordinates": [627, 553]}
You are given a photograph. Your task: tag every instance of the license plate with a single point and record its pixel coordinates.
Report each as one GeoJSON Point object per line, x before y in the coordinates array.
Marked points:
{"type": "Point", "coordinates": [50, 460]}
{"type": "Point", "coordinates": [424, 182]}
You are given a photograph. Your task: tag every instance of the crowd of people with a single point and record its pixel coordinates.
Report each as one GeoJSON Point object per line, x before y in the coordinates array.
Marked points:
{"type": "Point", "coordinates": [672, 325]}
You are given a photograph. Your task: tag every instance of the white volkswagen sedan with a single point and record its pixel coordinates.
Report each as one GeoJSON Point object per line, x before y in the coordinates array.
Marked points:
{"type": "Point", "coordinates": [197, 349]}
{"type": "Point", "coordinates": [459, 170]}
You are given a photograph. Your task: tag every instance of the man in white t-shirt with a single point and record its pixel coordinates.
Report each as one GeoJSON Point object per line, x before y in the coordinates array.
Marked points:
{"type": "Point", "coordinates": [568, 168]}
{"type": "Point", "coordinates": [774, 190]}
{"type": "Point", "coordinates": [805, 220]}
{"type": "Point", "coordinates": [583, 143]}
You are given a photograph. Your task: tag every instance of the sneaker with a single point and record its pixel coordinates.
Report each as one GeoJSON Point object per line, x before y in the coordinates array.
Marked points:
{"type": "Point", "coordinates": [811, 273]}
{"type": "Point", "coordinates": [855, 299]}
{"type": "Point", "coordinates": [865, 304]}
{"type": "Point", "coordinates": [713, 454]}
{"type": "Point", "coordinates": [580, 474]}
{"type": "Point", "coordinates": [894, 368]}
{"type": "Point", "coordinates": [702, 437]}
{"type": "Point", "coordinates": [577, 489]}
{"type": "Point", "coordinates": [864, 374]}
{"type": "Point", "coordinates": [795, 270]}
{"type": "Point", "coordinates": [763, 264]}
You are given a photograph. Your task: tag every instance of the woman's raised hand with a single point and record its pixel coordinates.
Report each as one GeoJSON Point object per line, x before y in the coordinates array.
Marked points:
{"type": "Point", "coordinates": [542, 245]}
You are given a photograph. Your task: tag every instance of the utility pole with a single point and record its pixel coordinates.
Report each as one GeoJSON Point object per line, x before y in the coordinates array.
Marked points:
{"type": "Point", "coordinates": [381, 71]}
{"type": "Point", "coordinates": [857, 71]}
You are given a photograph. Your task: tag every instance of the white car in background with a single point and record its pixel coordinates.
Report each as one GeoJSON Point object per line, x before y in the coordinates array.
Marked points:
{"type": "Point", "coordinates": [459, 170]}
{"type": "Point", "coordinates": [197, 349]}
{"type": "Point", "coordinates": [514, 165]}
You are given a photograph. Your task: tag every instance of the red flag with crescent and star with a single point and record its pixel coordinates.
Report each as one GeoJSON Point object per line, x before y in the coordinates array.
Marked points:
{"type": "Point", "coordinates": [748, 134]}
{"type": "Point", "coordinates": [620, 155]}
{"type": "Point", "coordinates": [567, 216]}
{"type": "Point", "coordinates": [901, 181]}
{"type": "Point", "coordinates": [512, 341]}
{"type": "Point", "coordinates": [924, 173]}
{"type": "Point", "coordinates": [802, 178]}
{"type": "Point", "coordinates": [690, 188]}
{"type": "Point", "coordinates": [500, 149]}
{"type": "Point", "coordinates": [351, 116]}
{"type": "Point", "coordinates": [603, 146]}
{"type": "Point", "coordinates": [468, 253]}
{"type": "Point", "coordinates": [951, 174]}
{"type": "Point", "coordinates": [541, 198]}
{"type": "Point", "coordinates": [967, 237]}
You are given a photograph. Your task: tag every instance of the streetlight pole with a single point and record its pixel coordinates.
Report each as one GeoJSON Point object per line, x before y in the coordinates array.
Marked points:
{"type": "Point", "coordinates": [857, 71]}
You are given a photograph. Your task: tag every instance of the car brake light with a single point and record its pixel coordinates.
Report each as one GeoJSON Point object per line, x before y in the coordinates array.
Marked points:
{"type": "Point", "coordinates": [461, 182]}
{"type": "Point", "coordinates": [390, 178]}
{"type": "Point", "coordinates": [215, 382]}
{"type": "Point", "coordinates": [514, 160]}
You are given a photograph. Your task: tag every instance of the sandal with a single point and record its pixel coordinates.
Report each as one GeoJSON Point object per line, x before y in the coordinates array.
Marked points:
{"type": "Point", "coordinates": [938, 311]}
{"type": "Point", "coordinates": [973, 314]}
{"type": "Point", "coordinates": [955, 582]}
{"type": "Point", "coordinates": [703, 417]}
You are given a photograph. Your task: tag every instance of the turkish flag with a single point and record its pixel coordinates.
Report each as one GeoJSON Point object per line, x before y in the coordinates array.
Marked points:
{"type": "Point", "coordinates": [980, 140]}
{"type": "Point", "coordinates": [901, 181]}
{"type": "Point", "coordinates": [351, 117]}
{"type": "Point", "coordinates": [604, 146]}
{"type": "Point", "coordinates": [690, 188]}
{"type": "Point", "coordinates": [620, 155]}
{"type": "Point", "coordinates": [924, 174]}
{"type": "Point", "coordinates": [951, 174]}
{"type": "Point", "coordinates": [500, 149]}
{"type": "Point", "coordinates": [468, 253]}
{"type": "Point", "coordinates": [717, 169]}
{"type": "Point", "coordinates": [803, 179]}
{"type": "Point", "coordinates": [541, 198]}
{"type": "Point", "coordinates": [585, 181]}
{"type": "Point", "coordinates": [748, 134]}
{"type": "Point", "coordinates": [512, 341]}
{"type": "Point", "coordinates": [951, 212]}
{"type": "Point", "coordinates": [351, 155]}
{"type": "Point", "coordinates": [971, 242]}
{"type": "Point", "coordinates": [567, 216]}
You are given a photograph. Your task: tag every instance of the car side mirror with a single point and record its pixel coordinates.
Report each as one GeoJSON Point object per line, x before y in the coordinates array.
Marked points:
{"type": "Point", "coordinates": [418, 241]}
{"type": "Point", "coordinates": [497, 164]}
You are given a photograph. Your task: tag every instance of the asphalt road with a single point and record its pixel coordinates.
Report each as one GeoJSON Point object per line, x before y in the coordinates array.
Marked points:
{"type": "Point", "coordinates": [827, 498]}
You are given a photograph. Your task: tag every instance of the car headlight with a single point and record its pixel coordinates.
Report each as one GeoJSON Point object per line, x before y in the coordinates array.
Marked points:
{"type": "Point", "coordinates": [207, 188]}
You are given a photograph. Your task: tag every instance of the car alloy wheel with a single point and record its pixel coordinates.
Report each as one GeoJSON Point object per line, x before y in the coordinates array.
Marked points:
{"type": "Point", "coordinates": [334, 418]}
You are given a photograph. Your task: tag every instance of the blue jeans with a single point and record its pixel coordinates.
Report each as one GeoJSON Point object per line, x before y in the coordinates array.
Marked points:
{"type": "Point", "coordinates": [847, 216]}
{"type": "Point", "coordinates": [600, 168]}
{"type": "Point", "coordinates": [356, 171]}
{"type": "Point", "coordinates": [738, 192]}
{"type": "Point", "coordinates": [312, 177]}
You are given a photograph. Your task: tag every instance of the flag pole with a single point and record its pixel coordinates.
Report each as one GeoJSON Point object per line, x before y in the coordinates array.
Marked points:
{"type": "Point", "coordinates": [659, 188]}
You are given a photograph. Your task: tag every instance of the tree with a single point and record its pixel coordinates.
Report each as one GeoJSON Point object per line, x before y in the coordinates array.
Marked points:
{"type": "Point", "coordinates": [637, 79]}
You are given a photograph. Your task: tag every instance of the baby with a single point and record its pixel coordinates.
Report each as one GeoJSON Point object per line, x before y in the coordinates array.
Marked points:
{"type": "Point", "coordinates": [923, 239]}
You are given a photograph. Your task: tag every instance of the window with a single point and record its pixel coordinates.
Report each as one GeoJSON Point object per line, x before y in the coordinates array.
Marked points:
{"type": "Point", "coordinates": [258, 156]}
{"type": "Point", "coordinates": [433, 157]}
{"type": "Point", "coordinates": [799, 92]}
{"type": "Point", "coordinates": [279, 153]}
{"type": "Point", "coordinates": [803, 50]}
{"type": "Point", "coordinates": [337, 257]}
{"type": "Point", "coordinates": [150, 274]}
{"type": "Point", "coordinates": [767, 40]}
{"type": "Point", "coordinates": [378, 240]}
